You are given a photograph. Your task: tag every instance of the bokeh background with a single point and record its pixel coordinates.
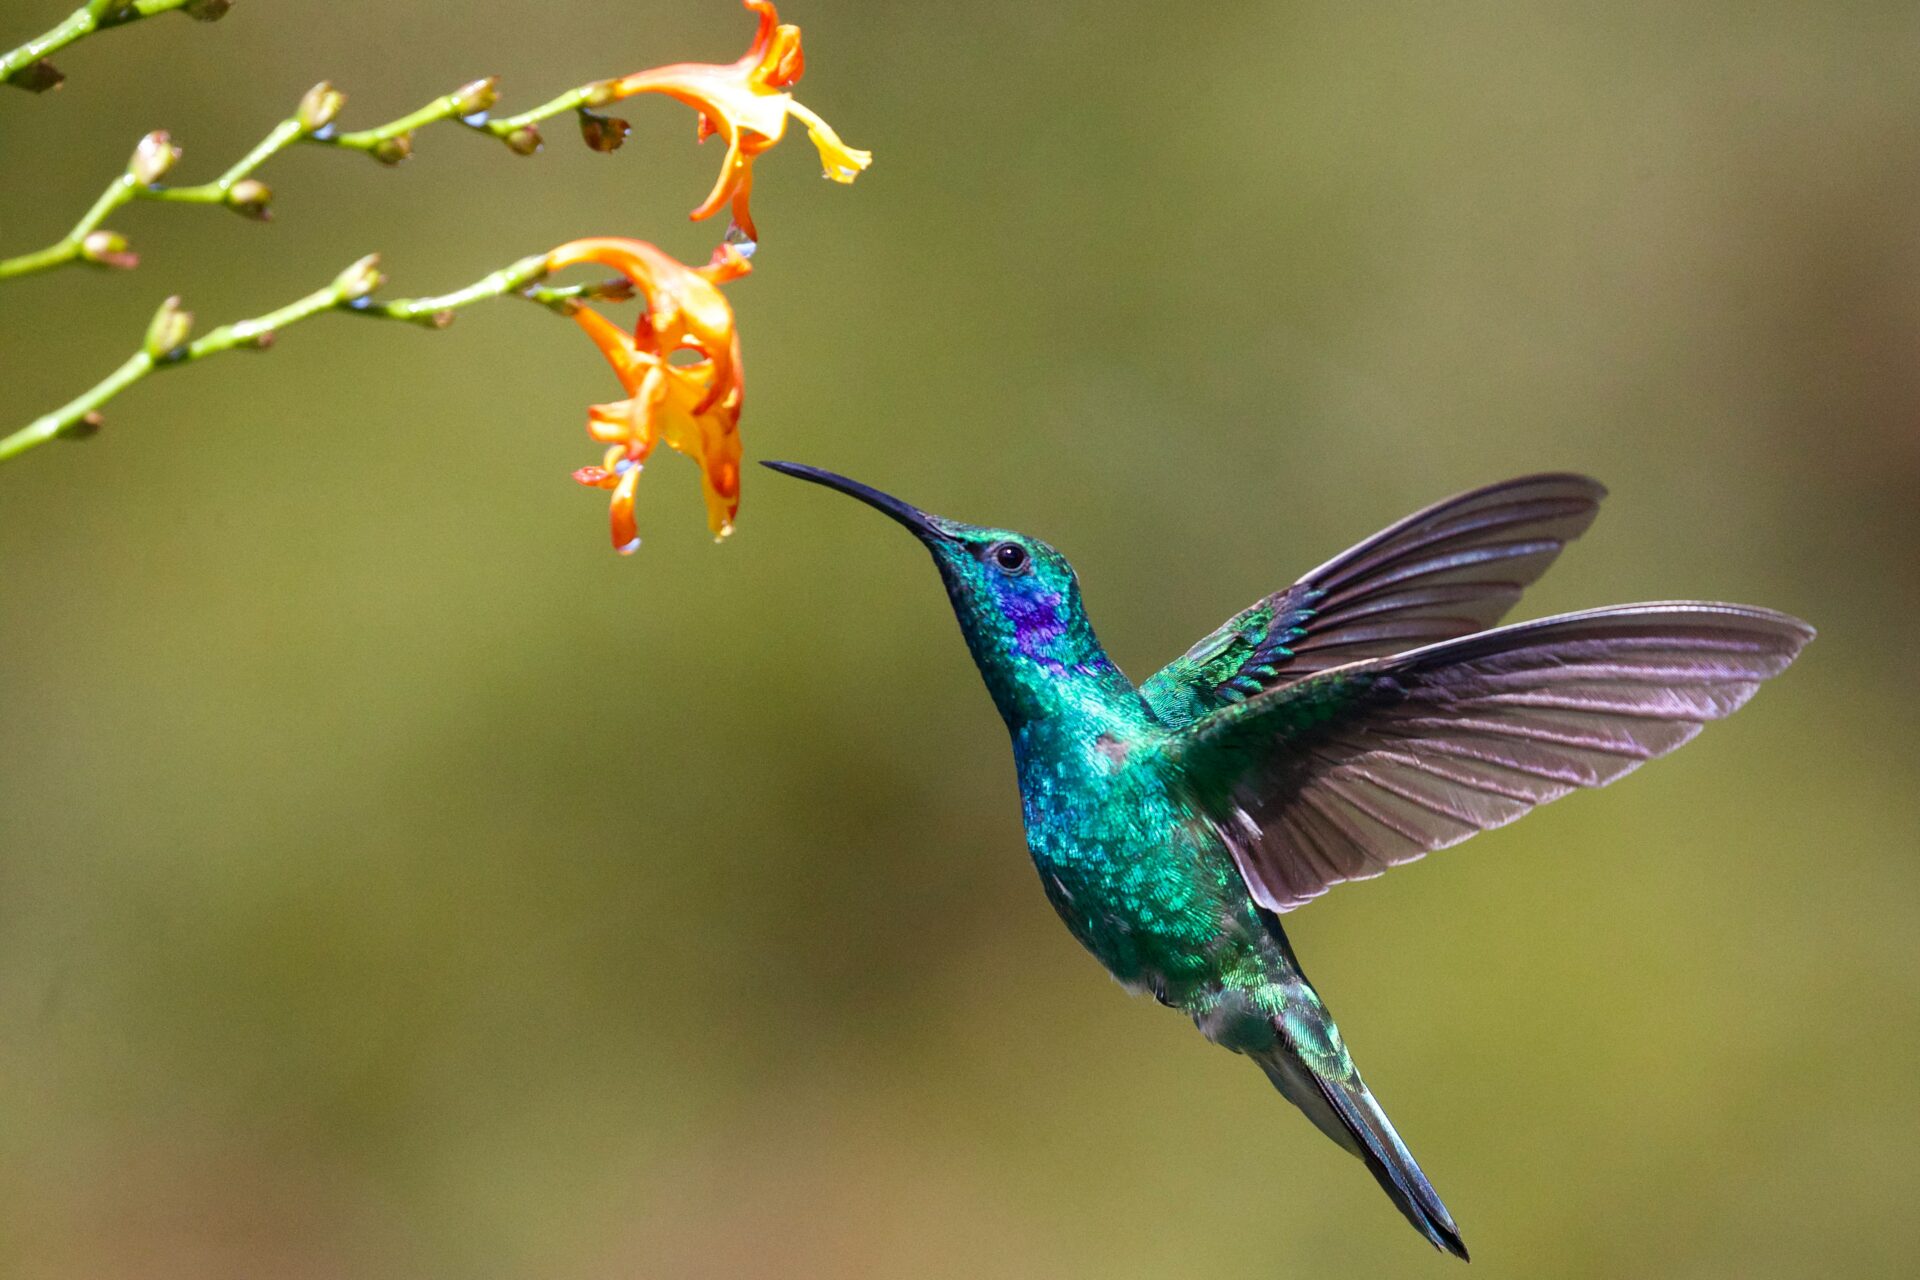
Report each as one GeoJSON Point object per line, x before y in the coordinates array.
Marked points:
{"type": "Point", "coordinates": [395, 882]}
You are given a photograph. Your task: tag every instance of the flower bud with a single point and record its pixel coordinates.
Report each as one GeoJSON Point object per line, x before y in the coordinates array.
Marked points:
{"type": "Point", "coordinates": [169, 329]}
{"type": "Point", "coordinates": [475, 97]}
{"type": "Point", "coordinates": [360, 279]}
{"type": "Point", "coordinates": [319, 107]}
{"type": "Point", "coordinates": [37, 76]}
{"type": "Point", "coordinates": [523, 141]}
{"type": "Point", "coordinates": [108, 249]}
{"type": "Point", "coordinates": [393, 150]}
{"type": "Point", "coordinates": [88, 424]}
{"type": "Point", "coordinates": [152, 158]}
{"type": "Point", "coordinates": [249, 198]}
{"type": "Point", "coordinates": [602, 133]}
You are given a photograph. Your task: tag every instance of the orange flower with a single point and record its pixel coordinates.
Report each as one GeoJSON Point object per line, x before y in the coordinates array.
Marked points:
{"type": "Point", "coordinates": [693, 405]}
{"type": "Point", "coordinates": [746, 103]}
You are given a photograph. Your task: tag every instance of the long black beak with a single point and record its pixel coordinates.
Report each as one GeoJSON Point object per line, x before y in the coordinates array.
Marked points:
{"type": "Point", "coordinates": [915, 519]}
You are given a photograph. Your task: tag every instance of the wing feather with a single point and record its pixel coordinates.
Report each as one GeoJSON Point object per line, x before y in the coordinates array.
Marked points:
{"type": "Point", "coordinates": [1365, 766]}
{"type": "Point", "coordinates": [1450, 570]}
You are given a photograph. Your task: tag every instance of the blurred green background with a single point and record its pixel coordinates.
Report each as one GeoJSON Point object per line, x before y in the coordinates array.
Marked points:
{"type": "Point", "coordinates": [395, 882]}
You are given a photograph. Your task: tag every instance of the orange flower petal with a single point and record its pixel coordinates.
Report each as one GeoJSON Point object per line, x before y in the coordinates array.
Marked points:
{"type": "Point", "coordinates": [747, 102]}
{"type": "Point", "coordinates": [624, 528]}
{"type": "Point", "coordinates": [694, 407]}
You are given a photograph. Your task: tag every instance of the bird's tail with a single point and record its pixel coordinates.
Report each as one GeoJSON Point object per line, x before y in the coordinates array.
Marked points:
{"type": "Point", "coordinates": [1312, 1068]}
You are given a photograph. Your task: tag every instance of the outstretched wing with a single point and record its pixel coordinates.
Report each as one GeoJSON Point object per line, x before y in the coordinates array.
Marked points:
{"type": "Point", "coordinates": [1348, 772]}
{"type": "Point", "coordinates": [1450, 570]}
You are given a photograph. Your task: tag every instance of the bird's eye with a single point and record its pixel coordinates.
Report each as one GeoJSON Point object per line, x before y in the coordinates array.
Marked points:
{"type": "Point", "coordinates": [1010, 556]}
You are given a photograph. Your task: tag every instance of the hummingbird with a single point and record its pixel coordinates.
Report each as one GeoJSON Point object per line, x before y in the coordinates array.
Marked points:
{"type": "Point", "coordinates": [1368, 714]}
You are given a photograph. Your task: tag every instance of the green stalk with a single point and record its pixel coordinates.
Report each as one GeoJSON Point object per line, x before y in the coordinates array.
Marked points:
{"type": "Point", "coordinates": [349, 292]}
{"type": "Point", "coordinates": [237, 188]}
{"type": "Point", "coordinates": [25, 67]}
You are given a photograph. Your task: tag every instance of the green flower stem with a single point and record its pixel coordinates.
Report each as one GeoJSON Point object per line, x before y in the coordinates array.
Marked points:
{"type": "Point", "coordinates": [587, 95]}
{"type": "Point", "coordinates": [348, 292]}
{"type": "Point", "coordinates": [283, 135]}
{"type": "Point", "coordinates": [127, 188]}
{"type": "Point", "coordinates": [446, 107]}
{"type": "Point", "coordinates": [58, 254]}
{"type": "Point", "coordinates": [389, 142]}
{"type": "Point", "coordinates": [437, 312]}
{"type": "Point", "coordinates": [18, 66]}
{"type": "Point", "coordinates": [72, 246]}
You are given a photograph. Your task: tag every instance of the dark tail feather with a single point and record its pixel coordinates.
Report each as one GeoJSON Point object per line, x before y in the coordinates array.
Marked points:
{"type": "Point", "coordinates": [1348, 1114]}
{"type": "Point", "coordinates": [1390, 1163]}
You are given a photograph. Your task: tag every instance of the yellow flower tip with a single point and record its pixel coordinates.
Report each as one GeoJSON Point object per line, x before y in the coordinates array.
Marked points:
{"type": "Point", "coordinates": [841, 162]}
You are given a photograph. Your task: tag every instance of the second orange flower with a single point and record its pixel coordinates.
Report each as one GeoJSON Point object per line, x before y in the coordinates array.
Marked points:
{"type": "Point", "coordinates": [681, 371]}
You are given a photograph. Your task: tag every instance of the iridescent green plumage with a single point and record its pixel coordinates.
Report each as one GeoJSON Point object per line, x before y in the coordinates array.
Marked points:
{"type": "Point", "coordinates": [1360, 718]}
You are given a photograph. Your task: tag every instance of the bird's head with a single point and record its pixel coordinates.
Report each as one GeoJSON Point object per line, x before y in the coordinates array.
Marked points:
{"type": "Point", "coordinates": [1016, 598]}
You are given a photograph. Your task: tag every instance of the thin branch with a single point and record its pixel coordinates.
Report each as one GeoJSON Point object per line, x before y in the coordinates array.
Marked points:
{"type": "Point", "coordinates": [27, 68]}
{"type": "Point", "coordinates": [593, 94]}
{"type": "Point", "coordinates": [240, 191]}
{"type": "Point", "coordinates": [167, 346]}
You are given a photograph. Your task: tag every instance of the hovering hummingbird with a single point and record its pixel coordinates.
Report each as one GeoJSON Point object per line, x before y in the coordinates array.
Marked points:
{"type": "Point", "coordinates": [1362, 717]}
